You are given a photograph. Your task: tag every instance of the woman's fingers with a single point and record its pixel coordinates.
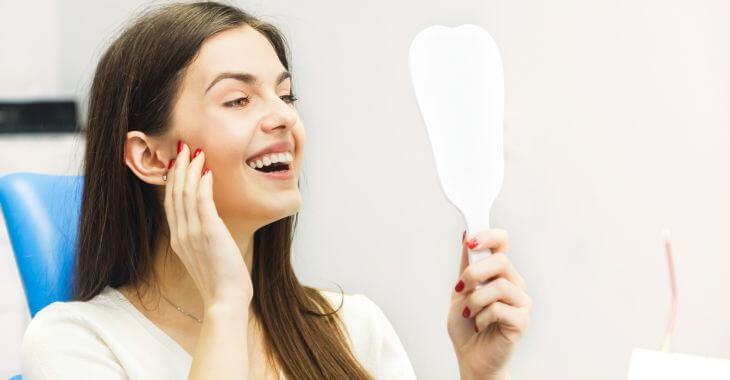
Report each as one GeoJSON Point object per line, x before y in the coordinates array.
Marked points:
{"type": "Point", "coordinates": [169, 202]}
{"type": "Point", "coordinates": [513, 320]}
{"type": "Point", "coordinates": [190, 194]}
{"type": "Point", "coordinates": [495, 239]}
{"type": "Point", "coordinates": [494, 265]}
{"type": "Point", "coordinates": [206, 206]}
{"type": "Point", "coordinates": [180, 169]}
{"type": "Point", "coordinates": [500, 290]}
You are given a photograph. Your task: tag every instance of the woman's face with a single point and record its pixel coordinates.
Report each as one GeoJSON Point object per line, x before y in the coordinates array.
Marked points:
{"type": "Point", "coordinates": [232, 118]}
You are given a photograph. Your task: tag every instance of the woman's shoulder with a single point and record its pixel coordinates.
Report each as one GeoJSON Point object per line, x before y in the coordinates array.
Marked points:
{"type": "Point", "coordinates": [51, 327]}
{"type": "Point", "coordinates": [74, 313]}
{"type": "Point", "coordinates": [62, 336]}
{"type": "Point", "coordinates": [69, 312]}
{"type": "Point", "coordinates": [372, 337]}
{"type": "Point", "coordinates": [362, 317]}
{"type": "Point", "coordinates": [351, 304]}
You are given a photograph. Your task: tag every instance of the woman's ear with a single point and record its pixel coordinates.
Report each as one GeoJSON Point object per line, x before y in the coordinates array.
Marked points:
{"type": "Point", "coordinates": [145, 158]}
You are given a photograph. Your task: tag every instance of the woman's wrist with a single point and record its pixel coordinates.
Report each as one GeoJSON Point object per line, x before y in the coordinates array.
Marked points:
{"type": "Point", "coordinates": [221, 309]}
{"type": "Point", "coordinates": [503, 376]}
{"type": "Point", "coordinates": [466, 374]}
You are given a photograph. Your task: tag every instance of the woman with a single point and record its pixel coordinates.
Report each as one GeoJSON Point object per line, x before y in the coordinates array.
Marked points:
{"type": "Point", "coordinates": [177, 280]}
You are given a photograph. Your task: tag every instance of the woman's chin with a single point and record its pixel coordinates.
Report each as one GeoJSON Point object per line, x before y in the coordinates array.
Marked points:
{"type": "Point", "coordinates": [264, 212]}
{"type": "Point", "coordinates": [282, 204]}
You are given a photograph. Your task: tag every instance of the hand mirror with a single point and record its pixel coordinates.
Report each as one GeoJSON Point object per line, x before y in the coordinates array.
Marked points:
{"type": "Point", "coordinates": [457, 77]}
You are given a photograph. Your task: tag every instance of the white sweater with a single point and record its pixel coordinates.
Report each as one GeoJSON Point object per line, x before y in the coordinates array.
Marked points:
{"type": "Point", "coordinates": [108, 338]}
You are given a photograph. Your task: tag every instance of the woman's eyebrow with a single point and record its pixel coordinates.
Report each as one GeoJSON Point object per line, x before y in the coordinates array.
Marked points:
{"type": "Point", "coordinates": [245, 78]}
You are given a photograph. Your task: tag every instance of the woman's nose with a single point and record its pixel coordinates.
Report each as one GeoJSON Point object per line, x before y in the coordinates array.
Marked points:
{"type": "Point", "coordinates": [279, 113]}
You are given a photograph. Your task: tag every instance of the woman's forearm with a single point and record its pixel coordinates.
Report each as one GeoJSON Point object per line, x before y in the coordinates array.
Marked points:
{"type": "Point", "coordinates": [221, 351]}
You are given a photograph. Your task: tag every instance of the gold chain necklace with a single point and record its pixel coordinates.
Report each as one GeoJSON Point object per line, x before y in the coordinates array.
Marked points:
{"type": "Point", "coordinates": [181, 310]}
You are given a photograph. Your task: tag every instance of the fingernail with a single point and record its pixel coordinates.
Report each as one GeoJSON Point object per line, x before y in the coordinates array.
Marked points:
{"type": "Point", "coordinates": [172, 162]}
{"type": "Point", "coordinates": [466, 312]}
{"type": "Point", "coordinates": [459, 286]}
{"type": "Point", "coordinates": [205, 171]}
{"type": "Point", "coordinates": [180, 146]}
{"type": "Point", "coordinates": [473, 243]}
{"type": "Point", "coordinates": [476, 329]}
{"type": "Point", "coordinates": [197, 152]}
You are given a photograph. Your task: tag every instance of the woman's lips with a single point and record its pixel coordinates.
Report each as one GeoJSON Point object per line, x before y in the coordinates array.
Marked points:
{"type": "Point", "coordinates": [281, 146]}
{"type": "Point", "coordinates": [280, 175]}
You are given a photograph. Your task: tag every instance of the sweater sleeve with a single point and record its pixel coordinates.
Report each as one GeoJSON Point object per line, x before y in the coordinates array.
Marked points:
{"type": "Point", "coordinates": [392, 361]}
{"type": "Point", "coordinates": [57, 344]}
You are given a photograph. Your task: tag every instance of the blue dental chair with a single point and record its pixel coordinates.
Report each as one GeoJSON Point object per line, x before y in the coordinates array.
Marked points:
{"type": "Point", "coordinates": [41, 215]}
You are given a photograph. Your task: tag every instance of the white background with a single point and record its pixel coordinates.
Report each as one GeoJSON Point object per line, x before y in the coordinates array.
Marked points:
{"type": "Point", "coordinates": [616, 125]}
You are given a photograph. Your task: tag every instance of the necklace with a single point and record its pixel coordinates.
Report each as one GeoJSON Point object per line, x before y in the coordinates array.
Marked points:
{"type": "Point", "coordinates": [181, 310]}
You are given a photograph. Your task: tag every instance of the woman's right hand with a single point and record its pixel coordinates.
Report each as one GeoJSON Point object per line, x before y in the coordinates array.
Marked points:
{"type": "Point", "coordinates": [197, 233]}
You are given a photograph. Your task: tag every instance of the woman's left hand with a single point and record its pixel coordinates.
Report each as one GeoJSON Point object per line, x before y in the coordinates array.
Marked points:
{"type": "Point", "coordinates": [484, 324]}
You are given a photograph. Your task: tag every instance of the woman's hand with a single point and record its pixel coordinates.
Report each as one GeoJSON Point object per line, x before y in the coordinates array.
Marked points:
{"type": "Point", "coordinates": [197, 233]}
{"type": "Point", "coordinates": [485, 322]}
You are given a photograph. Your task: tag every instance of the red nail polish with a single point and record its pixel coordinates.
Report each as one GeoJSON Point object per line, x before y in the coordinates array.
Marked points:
{"type": "Point", "coordinates": [473, 243]}
{"type": "Point", "coordinates": [172, 162]}
{"type": "Point", "coordinates": [460, 286]}
{"type": "Point", "coordinates": [197, 152]}
{"type": "Point", "coordinates": [205, 171]}
{"type": "Point", "coordinates": [180, 146]}
{"type": "Point", "coordinates": [466, 312]}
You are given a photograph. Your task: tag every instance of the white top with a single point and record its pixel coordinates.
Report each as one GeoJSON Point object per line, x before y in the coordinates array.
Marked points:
{"type": "Point", "coordinates": [108, 338]}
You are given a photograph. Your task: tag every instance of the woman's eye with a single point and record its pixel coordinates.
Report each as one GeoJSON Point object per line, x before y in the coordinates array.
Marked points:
{"type": "Point", "coordinates": [290, 98]}
{"type": "Point", "coordinates": [238, 102]}
{"type": "Point", "coordinates": [235, 102]}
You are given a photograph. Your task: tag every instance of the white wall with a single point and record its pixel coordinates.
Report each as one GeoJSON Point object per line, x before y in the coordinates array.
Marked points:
{"type": "Point", "coordinates": [616, 126]}
{"type": "Point", "coordinates": [28, 59]}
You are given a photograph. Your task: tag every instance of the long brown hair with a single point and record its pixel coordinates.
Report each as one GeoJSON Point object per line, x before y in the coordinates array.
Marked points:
{"type": "Point", "coordinates": [134, 89]}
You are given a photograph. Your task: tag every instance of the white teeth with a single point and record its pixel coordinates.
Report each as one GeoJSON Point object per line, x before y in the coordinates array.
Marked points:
{"type": "Point", "coordinates": [272, 158]}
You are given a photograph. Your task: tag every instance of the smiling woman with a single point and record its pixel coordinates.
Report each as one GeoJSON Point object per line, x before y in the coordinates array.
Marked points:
{"type": "Point", "coordinates": [193, 147]}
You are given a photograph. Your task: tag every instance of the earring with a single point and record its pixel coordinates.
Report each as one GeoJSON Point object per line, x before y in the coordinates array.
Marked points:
{"type": "Point", "coordinates": [164, 177]}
